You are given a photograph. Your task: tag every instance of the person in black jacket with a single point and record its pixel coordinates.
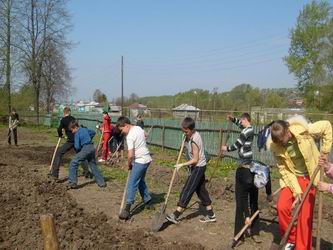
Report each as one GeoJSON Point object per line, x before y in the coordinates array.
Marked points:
{"type": "Point", "coordinates": [13, 123]}
{"type": "Point", "coordinates": [68, 145]}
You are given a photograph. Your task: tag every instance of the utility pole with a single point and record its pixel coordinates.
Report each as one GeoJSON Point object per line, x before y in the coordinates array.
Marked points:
{"type": "Point", "coordinates": [122, 85]}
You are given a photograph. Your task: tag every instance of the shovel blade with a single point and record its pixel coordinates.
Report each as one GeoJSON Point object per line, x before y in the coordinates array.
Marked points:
{"type": "Point", "coordinates": [158, 220]}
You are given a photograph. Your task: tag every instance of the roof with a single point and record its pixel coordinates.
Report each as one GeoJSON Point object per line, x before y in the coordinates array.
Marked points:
{"type": "Point", "coordinates": [185, 107]}
{"type": "Point", "coordinates": [137, 106]}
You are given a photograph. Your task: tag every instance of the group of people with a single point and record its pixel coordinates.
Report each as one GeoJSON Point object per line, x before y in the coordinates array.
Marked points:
{"type": "Point", "coordinates": [292, 143]}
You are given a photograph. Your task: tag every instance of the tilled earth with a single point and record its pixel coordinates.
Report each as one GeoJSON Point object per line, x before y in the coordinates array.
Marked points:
{"type": "Point", "coordinates": [86, 218]}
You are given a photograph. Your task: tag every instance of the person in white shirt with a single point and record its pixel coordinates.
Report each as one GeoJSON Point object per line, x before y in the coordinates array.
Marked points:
{"type": "Point", "coordinates": [138, 162]}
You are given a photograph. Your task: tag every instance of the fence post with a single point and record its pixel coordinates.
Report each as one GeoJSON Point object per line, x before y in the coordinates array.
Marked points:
{"type": "Point", "coordinates": [163, 137]}
{"type": "Point", "coordinates": [49, 232]}
{"type": "Point", "coordinates": [221, 140]}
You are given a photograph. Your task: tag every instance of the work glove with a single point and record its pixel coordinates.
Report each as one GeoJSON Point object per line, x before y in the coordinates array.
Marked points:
{"type": "Point", "coordinates": [178, 166]}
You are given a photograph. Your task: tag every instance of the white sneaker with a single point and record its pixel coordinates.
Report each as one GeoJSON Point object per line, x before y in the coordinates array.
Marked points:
{"type": "Point", "coordinates": [101, 160]}
{"type": "Point", "coordinates": [289, 246]}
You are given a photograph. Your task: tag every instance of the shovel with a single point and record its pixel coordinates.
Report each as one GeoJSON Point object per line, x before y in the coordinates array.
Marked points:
{"type": "Point", "coordinates": [55, 151]}
{"type": "Point", "coordinates": [241, 232]}
{"type": "Point", "coordinates": [159, 218]}
{"type": "Point", "coordinates": [125, 192]}
{"type": "Point", "coordinates": [275, 246]}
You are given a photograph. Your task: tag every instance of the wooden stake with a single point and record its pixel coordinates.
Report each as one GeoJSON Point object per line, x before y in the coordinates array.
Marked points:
{"type": "Point", "coordinates": [49, 232]}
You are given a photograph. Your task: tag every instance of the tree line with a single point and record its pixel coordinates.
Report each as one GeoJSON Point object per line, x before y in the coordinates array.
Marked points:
{"type": "Point", "coordinates": [33, 47]}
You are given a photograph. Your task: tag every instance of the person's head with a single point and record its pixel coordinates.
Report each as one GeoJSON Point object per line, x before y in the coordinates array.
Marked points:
{"type": "Point", "coordinates": [73, 126]}
{"type": "Point", "coordinates": [13, 110]}
{"type": "Point", "coordinates": [280, 132]}
{"type": "Point", "coordinates": [188, 127]}
{"type": "Point", "coordinates": [67, 111]}
{"type": "Point", "coordinates": [124, 124]}
{"type": "Point", "coordinates": [245, 119]}
{"type": "Point", "coordinates": [105, 113]}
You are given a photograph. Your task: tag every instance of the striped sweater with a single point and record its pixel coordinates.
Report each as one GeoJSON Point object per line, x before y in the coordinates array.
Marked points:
{"type": "Point", "coordinates": [243, 143]}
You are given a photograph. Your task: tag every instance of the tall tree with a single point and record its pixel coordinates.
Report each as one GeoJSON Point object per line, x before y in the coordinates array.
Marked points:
{"type": "Point", "coordinates": [42, 21]}
{"type": "Point", "coordinates": [6, 7]}
{"type": "Point", "coordinates": [311, 50]}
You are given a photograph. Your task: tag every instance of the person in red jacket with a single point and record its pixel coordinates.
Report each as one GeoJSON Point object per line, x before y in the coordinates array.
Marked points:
{"type": "Point", "coordinates": [106, 130]}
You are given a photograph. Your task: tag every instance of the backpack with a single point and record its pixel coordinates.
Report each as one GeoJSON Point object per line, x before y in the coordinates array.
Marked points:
{"type": "Point", "coordinates": [261, 174]}
{"type": "Point", "coordinates": [263, 135]}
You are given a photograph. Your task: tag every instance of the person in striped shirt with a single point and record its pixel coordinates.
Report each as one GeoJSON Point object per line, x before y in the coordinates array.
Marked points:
{"type": "Point", "coordinates": [246, 191]}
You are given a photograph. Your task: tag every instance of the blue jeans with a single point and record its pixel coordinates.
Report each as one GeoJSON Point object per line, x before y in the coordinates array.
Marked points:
{"type": "Point", "coordinates": [87, 153]}
{"type": "Point", "coordinates": [137, 180]}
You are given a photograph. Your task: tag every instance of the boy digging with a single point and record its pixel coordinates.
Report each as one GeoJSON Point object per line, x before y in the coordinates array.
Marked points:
{"type": "Point", "coordinates": [138, 162]}
{"type": "Point", "coordinates": [196, 180]}
{"type": "Point", "coordinates": [86, 152]}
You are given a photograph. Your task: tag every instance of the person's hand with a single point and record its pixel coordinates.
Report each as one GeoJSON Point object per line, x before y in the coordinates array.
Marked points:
{"type": "Point", "coordinates": [97, 126]}
{"type": "Point", "coordinates": [297, 200]}
{"type": "Point", "coordinates": [323, 161]}
{"type": "Point", "coordinates": [323, 186]}
{"type": "Point", "coordinates": [178, 166]}
{"type": "Point", "coordinates": [223, 148]}
{"type": "Point", "coordinates": [230, 117]}
{"type": "Point", "coordinates": [130, 166]}
{"type": "Point", "coordinates": [324, 156]}
{"type": "Point", "coordinates": [247, 221]}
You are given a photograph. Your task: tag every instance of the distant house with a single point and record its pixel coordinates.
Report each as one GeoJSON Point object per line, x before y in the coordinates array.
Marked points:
{"type": "Point", "coordinates": [266, 115]}
{"type": "Point", "coordinates": [138, 108]}
{"type": "Point", "coordinates": [92, 106]}
{"type": "Point", "coordinates": [185, 110]}
{"type": "Point", "coordinates": [115, 110]}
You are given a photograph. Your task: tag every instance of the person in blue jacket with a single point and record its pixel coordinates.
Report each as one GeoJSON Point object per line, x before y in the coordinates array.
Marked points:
{"type": "Point", "coordinates": [84, 147]}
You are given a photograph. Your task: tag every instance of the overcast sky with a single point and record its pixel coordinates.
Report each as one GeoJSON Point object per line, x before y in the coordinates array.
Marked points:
{"type": "Point", "coordinates": [175, 45]}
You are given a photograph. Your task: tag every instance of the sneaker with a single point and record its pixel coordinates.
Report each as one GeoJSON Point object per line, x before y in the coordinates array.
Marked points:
{"type": "Point", "coordinates": [101, 160]}
{"type": "Point", "coordinates": [289, 246]}
{"type": "Point", "coordinates": [71, 186]}
{"type": "Point", "coordinates": [172, 218]}
{"type": "Point", "coordinates": [208, 218]}
{"type": "Point", "coordinates": [102, 186]}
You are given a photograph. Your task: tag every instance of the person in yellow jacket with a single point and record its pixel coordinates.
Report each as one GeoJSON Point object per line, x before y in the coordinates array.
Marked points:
{"type": "Point", "coordinates": [297, 155]}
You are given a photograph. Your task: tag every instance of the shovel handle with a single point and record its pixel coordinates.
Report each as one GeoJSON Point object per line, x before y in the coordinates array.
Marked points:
{"type": "Point", "coordinates": [174, 172]}
{"type": "Point", "coordinates": [298, 208]}
{"type": "Point", "coordinates": [320, 213]}
{"type": "Point", "coordinates": [54, 153]}
{"type": "Point", "coordinates": [125, 191]}
{"type": "Point", "coordinates": [236, 238]}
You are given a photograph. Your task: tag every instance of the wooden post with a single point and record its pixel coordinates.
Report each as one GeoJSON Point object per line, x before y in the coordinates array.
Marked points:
{"type": "Point", "coordinates": [49, 232]}
{"type": "Point", "coordinates": [221, 139]}
{"type": "Point", "coordinates": [163, 137]}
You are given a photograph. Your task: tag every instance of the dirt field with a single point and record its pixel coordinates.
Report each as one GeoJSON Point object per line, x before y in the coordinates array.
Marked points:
{"type": "Point", "coordinates": [86, 218]}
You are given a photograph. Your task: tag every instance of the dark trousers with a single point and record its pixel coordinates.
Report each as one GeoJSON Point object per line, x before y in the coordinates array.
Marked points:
{"type": "Point", "coordinates": [246, 196]}
{"type": "Point", "coordinates": [195, 183]}
{"type": "Point", "coordinates": [14, 133]}
{"type": "Point", "coordinates": [60, 153]}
